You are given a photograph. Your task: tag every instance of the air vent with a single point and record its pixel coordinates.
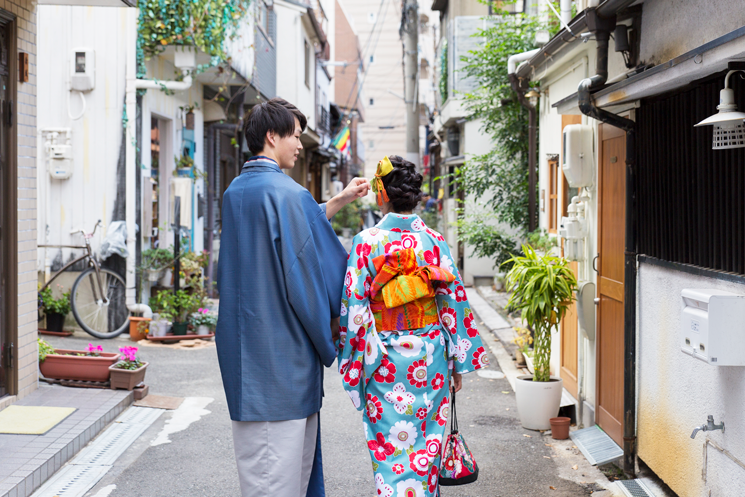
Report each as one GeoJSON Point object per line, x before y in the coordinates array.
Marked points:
{"type": "Point", "coordinates": [596, 445]}
{"type": "Point", "coordinates": [634, 488]}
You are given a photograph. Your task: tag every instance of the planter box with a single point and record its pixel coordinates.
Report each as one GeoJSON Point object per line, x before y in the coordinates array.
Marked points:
{"type": "Point", "coordinates": [125, 378]}
{"type": "Point", "coordinates": [138, 332]}
{"type": "Point", "coordinates": [80, 368]}
{"type": "Point", "coordinates": [537, 401]}
{"type": "Point", "coordinates": [55, 322]}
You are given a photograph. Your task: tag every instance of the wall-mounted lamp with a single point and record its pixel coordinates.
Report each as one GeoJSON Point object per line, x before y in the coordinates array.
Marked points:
{"type": "Point", "coordinates": [532, 97]}
{"type": "Point", "coordinates": [729, 130]}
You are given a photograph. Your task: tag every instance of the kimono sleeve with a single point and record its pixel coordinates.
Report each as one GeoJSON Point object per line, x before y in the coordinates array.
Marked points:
{"type": "Point", "coordinates": [356, 323]}
{"type": "Point", "coordinates": [466, 349]}
{"type": "Point", "coordinates": [314, 284]}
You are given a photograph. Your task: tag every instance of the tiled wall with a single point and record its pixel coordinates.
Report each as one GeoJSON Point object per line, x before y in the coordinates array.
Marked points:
{"type": "Point", "coordinates": [26, 123]}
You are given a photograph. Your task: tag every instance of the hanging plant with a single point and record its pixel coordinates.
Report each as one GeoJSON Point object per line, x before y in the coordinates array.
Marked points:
{"type": "Point", "coordinates": [205, 24]}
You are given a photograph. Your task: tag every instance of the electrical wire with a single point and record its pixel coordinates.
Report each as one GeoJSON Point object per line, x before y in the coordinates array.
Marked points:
{"type": "Point", "coordinates": [69, 113]}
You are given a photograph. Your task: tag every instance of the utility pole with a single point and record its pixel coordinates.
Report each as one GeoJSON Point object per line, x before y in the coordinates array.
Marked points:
{"type": "Point", "coordinates": [410, 35]}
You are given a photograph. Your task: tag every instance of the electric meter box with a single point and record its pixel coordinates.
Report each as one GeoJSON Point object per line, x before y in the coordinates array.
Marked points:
{"type": "Point", "coordinates": [713, 326]}
{"type": "Point", "coordinates": [577, 157]}
{"type": "Point", "coordinates": [60, 161]}
{"type": "Point", "coordinates": [83, 70]}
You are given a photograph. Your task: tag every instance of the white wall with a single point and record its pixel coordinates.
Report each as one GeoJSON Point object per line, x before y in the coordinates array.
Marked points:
{"type": "Point", "coordinates": [89, 194]}
{"type": "Point", "coordinates": [677, 392]}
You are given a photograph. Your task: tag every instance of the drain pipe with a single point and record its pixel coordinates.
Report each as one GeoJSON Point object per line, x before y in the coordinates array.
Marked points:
{"type": "Point", "coordinates": [520, 90]}
{"type": "Point", "coordinates": [130, 110]}
{"type": "Point", "coordinates": [601, 28]}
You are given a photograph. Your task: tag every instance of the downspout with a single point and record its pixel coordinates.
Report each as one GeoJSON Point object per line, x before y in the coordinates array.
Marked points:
{"type": "Point", "coordinates": [520, 90]}
{"type": "Point", "coordinates": [602, 28]}
{"type": "Point", "coordinates": [130, 111]}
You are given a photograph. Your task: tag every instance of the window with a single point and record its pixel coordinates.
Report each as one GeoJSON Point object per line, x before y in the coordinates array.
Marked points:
{"type": "Point", "coordinates": [553, 194]}
{"type": "Point", "coordinates": [307, 64]}
{"type": "Point", "coordinates": [372, 102]}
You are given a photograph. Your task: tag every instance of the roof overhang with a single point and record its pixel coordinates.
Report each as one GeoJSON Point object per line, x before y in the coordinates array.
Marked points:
{"type": "Point", "coordinates": [709, 58]}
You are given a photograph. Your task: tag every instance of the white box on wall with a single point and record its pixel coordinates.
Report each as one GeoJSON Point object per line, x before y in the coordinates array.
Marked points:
{"type": "Point", "coordinates": [713, 326]}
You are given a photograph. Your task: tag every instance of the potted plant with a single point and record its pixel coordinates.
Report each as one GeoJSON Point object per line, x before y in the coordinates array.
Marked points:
{"type": "Point", "coordinates": [129, 372]}
{"type": "Point", "coordinates": [185, 304]}
{"type": "Point", "coordinates": [192, 267]}
{"type": "Point", "coordinates": [348, 220]}
{"type": "Point", "coordinates": [55, 309]}
{"type": "Point", "coordinates": [184, 165]}
{"type": "Point", "coordinates": [203, 321]}
{"type": "Point", "coordinates": [523, 340]}
{"type": "Point", "coordinates": [542, 289]}
{"type": "Point", "coordinates": [91, 364]}
{"type": "Point", "coordinates": [155, 262]}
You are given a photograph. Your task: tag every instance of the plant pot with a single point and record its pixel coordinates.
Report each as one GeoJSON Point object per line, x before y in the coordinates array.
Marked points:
{"type": "Point", "coordinates": [537, 401]}
{"type": "Point", "coordinates": [138, 331]}
{"type": "Point", "coordinates": [529, 363]}
{"type": "Point", "coordinates": [127, 379]}
{"type": "Point", "coordinates": [155, 275]}
{"type": "Point", "coordinates": [203, 329]}
{"type": "Point", "coordinates": [159, 328]}
{"type": "Point", "coordinates": [499, 279]}
{"type": "Point", "coordinates": [80, 368]}
{"type": "Point", "coordinates": [180, 328]}
{"type": "Point", "coordinates": [55, 322]}
{"type": "Point", "coordinates": [560, 428]}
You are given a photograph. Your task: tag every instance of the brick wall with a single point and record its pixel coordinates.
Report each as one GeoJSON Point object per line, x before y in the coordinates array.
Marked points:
{"type": "Point", "coordinates": [26, 125]}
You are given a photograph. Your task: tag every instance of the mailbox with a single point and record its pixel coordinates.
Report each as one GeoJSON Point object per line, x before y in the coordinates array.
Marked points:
{"type": "Point", "coordinates": [713, 326]}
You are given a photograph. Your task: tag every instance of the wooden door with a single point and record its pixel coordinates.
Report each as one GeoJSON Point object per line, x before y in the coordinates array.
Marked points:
{"type": "Point", "coordinates": [611, 238]}
{"type": "Point", "coordinates": [569, 325]}
{"type": "Point", "coordinates": [569, 345]}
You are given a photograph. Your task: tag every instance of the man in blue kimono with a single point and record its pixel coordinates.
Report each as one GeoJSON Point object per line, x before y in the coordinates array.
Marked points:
{"type": "Point", "coordinates": [280, 276]}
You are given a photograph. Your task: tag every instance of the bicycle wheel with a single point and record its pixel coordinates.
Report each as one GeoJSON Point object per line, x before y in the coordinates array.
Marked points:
{"type": "Point", "coordinates": [92, 314]}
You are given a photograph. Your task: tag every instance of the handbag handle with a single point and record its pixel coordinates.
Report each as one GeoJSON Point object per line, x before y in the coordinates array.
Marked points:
{"type": "Point", "coordinates": [453, 417]}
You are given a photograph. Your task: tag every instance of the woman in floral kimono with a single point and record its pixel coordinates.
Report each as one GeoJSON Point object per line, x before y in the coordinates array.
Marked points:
{"type": "Point", "coordinates": [406, 329]}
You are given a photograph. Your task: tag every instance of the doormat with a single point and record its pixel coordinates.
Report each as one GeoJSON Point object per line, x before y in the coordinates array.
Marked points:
{"type": "Point", "coordinates": [32, 420]}
{"type": "Point", "coordinates": [160, 402]}
{"type": "Point", "coordinates": [596, 445]}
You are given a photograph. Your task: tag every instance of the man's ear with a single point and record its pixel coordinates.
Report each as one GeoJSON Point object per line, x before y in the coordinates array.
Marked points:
{"type": "Point", "coordinates": [271, 139]}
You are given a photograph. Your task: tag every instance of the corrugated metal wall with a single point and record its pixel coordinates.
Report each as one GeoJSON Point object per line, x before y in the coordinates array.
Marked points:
{"type": "Point", "coordinates": [691, 199]}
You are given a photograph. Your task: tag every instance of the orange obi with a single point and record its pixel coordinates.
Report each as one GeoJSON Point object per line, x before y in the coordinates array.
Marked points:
{"type": "Point", "coordinates": [402, 296]}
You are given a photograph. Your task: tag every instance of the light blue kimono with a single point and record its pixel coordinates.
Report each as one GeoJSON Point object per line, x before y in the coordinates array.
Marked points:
{"type": "Point", "coordinates": [280, 277]}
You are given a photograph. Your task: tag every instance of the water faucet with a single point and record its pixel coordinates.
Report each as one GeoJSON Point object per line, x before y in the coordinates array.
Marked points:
{"type": "Point", "coordinates": [709, 426]}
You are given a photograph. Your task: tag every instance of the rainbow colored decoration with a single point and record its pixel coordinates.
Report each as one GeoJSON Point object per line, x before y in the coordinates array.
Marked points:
{"type": "Point", "coordinates": [342, 141]}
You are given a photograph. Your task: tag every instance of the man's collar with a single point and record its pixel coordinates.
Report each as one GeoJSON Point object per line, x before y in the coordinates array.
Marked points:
{"type": "Point", "coordinates": [261, 161]}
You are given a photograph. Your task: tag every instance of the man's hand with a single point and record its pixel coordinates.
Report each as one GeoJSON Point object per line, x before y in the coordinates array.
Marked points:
{"type": "Point", "coordinates": [456, 381]}
{"type": "Point", "coordinates": [357, 188]}
{"type": "Point", "coordinates": [335, 329]}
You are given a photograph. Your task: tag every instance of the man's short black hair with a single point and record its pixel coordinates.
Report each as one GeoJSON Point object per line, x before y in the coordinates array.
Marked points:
{"type": "Point", "coordinates": [277, 115]}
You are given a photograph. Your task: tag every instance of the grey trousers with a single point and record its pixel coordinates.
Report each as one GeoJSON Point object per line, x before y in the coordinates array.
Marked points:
{"type": "Point", "coordinates": [275, 458]}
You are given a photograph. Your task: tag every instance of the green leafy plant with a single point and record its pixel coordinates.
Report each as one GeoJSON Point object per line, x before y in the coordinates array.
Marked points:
{"type": "Point", "coordinates": [183, 162]}
{"type": "Point", "coordinates": [44, 349]}
{"type": "Point", "coordinates": [206, 24]}
{"type": "Point", "coordinates": [156, 259]}
{"type": "Point", "coordinates": [186, 303]}
{"type": "Point", "coordinates": [50, 305]}
{"type": "Point", "coordinates": [349, 216]}
{"type": "Point", "coordinates": [480, 233]}
{"type": "Point", "coordinates": [164, 303]}
{"type": "Point", "coordinates": [540, 240]}
{"type": "Point", "coordinates": [501, 175]}
{"type": "Point", "coordinates": [542, 289]}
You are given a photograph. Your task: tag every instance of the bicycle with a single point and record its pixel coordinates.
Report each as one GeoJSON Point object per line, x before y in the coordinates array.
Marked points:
{"type": "Point", "coordinates": [98, 296]}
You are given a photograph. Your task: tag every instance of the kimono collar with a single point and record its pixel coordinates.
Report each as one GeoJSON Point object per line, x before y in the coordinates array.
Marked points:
{"type": "Point", "coordinates": [260, 161]}
{"type": "Point", "coordinates": [401, 222]}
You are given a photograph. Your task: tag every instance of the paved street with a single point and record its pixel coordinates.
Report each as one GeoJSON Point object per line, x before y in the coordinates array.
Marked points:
{"type": "Point", "coordinates": [198, 459]}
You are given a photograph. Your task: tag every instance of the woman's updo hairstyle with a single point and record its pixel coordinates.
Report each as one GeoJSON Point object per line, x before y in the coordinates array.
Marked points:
{"type": "Point", "coordinates": [403, 185]}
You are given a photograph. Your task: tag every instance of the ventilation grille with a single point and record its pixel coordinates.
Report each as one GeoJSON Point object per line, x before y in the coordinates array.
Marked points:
{"type": "Point", "coordinates": [596, 445]}
{"type": "Point", "coordinates": [729, 138]}
{"type": "Point", "coordinates": [634, 488]}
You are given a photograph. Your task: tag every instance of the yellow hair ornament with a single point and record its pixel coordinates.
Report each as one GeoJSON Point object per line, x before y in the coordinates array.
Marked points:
{"type": "Point", "coordinates": [384, 168]}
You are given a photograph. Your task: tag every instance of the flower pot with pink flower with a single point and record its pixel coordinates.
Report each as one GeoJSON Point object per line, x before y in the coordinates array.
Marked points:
{"type": "Point", "coordinates": [129, 372]}
{"type": "Point", "coordinates": [204, 321]}
{"type": "Point", "coordinates": [91, 364]}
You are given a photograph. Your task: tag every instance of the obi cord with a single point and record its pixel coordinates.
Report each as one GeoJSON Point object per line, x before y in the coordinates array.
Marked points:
{"type": "Point", "coordinates": [402, 296]}
{"type": "Point", "coordinates": [384, 168]}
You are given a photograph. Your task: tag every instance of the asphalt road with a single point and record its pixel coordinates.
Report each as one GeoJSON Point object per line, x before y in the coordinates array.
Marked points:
{"type": "Point", "coordinates": [199, 461]}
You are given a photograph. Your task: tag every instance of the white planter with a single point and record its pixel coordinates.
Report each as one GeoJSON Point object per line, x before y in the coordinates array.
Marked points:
{"type": "Point", "coordinates": [529, 363]}
{"type": "Point", "coordinates": [537, 401]}
{"type": "Point", "coordinates": [203, 329]}
{"type": "Point", "coordinates": [159, 328]}
{"type": "Point", "coordinates": [154, 276]}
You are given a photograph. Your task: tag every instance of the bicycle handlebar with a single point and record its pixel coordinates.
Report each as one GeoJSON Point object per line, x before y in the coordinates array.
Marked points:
{"type": "Point", "coordinates": [88, 235]}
